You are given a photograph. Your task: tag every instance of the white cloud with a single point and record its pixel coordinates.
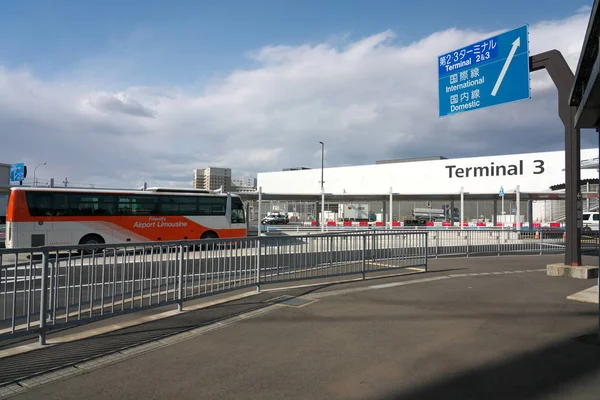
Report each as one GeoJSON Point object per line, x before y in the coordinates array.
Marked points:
{"type": "Point", "coordinates": [368, 99]}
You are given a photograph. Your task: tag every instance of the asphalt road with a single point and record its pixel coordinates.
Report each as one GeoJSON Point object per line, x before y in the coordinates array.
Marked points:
{"type": "Point", "coordinates": [485, 328]}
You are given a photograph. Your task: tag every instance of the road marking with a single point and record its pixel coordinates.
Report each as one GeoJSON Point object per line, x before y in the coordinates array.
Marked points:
{"type": "Point", "coordinates": [84, 367]}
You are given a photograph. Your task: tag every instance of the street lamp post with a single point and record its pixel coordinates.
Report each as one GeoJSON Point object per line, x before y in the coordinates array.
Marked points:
{"type": "Point", "coordinates": [322, 188]}
{"type": "Point", "coordinates": [34, 171]}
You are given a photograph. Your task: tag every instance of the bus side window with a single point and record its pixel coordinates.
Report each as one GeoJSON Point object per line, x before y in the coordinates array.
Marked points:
{"type": "Point", "coordinates": [237, 211]}
{"type": "Point", "coordinates": [61, 204]}
{"type": "Point", "coordinates": [39, 204]}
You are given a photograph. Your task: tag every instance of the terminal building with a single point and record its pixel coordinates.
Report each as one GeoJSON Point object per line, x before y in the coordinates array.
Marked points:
{"type": "Point", "coordinates": [437, 179]}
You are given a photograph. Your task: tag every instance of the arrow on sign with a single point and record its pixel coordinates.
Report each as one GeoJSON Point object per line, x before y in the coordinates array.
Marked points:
{"type": "Point", "coordinates": [513, 50]}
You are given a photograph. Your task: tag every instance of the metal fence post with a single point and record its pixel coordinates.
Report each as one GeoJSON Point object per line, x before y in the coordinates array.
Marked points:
{"type": "Point", "coordinates": [180, 283]}
{"type": "Point", "coordinates": [258, 257]}
{"type": "Point", "coordinates": [43, 298]}
{"type": "Point", "coordinates": [499, 239]}
{"type": "Point", "coordinates": [468, 247]}
{"type": "Point", "coordinates": [364, 256]}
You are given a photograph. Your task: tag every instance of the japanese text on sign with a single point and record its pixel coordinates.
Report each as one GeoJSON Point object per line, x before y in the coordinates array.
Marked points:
{"type": "Point", "coordinates": [467, 56]}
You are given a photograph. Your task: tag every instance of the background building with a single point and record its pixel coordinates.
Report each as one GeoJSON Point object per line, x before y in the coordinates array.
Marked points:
{"type": "Point", "coordinates": [541, 172]}
{"type": "Point", "coordinates": [244, 181]}
{"type": "Point", "coordinates": [243, 184]}
{"type": "Point", "coordinates": [212, 178]}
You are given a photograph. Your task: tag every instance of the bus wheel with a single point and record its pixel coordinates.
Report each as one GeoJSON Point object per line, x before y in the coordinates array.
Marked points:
{"type": "Point", "coordinates": [91, 239]}
{"type": "Point", "coordinates": [209, 235]}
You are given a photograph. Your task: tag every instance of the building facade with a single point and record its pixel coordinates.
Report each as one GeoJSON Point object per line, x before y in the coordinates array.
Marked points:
{"type": "Point", "coordinates": [531, 172]}
{"type": "Point", "coordinates": [243, 182]}
{"type": "Point", "coordinates": [212, 178]}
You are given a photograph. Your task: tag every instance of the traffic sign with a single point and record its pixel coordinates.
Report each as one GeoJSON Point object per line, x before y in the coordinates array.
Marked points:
{"type": "Point", "coordinates": [501, 193]}
{"type": "Point", "coordinates": [483, 74]}
{"type": "Point", "coordinates": [17, 172]}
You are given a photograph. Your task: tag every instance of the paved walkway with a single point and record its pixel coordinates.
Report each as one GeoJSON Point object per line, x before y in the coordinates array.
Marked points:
{"type": "Point", "coordinates": [490, 327]}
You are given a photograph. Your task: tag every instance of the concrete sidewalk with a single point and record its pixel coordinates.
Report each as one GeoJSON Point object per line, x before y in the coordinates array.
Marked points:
{"type": "Point", "coordinates": [489, 327]}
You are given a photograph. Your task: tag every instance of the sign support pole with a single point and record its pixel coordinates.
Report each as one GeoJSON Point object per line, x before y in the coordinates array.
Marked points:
{"type": "Point", "coordinates": [462, 208]}
{"type": "Point", "coordinates": [562, 76]}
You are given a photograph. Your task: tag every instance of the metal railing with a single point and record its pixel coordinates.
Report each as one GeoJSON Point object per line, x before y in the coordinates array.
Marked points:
{"type": "Point", "coordinates": [493, 241]}
{"type": "Point", "coordinates": [50, 287]}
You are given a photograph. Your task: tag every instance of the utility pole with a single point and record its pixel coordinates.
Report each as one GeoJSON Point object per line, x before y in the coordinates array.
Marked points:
{"type": "Point", "coordinates": [66, 182]}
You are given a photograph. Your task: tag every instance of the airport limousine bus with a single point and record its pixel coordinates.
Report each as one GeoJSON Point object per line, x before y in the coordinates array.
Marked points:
{"type": "Point", "coordinates": [53, 216]}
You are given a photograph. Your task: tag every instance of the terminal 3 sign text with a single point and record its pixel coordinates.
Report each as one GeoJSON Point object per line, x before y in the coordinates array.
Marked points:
{"type": "Point", "coordinates": [493, 169]}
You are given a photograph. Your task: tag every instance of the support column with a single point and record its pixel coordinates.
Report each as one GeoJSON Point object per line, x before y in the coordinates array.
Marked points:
{"type": "Point", "coordinates": [452, 212]}
{"type": "Point", "coordinates": [530, 212]}
{"type": "Point", "coordinates": [384, 211]}
{"type": "Point", "coordinates": [518, 216]}
{"type": "Point", "coordinates": [323, 210]}
{"type": "Point", "coordinates": [562, 76]}
{"type": "Point", "coordinates": [259, 210]}
{"type": "Point", "coordinates": [462, 207]}
{"type": "Point", "coordinates": [391, 207]}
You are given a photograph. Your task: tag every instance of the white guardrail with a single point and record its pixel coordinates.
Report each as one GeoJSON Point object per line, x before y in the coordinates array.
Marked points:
{"type": "Point", "coordinates": [74, 284]}
{"type": "Point", "coordinates": [48, 287]}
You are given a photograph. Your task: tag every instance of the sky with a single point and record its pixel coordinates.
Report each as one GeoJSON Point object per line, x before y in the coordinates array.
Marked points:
{"type": "Point", "coordinates": [117, 93]}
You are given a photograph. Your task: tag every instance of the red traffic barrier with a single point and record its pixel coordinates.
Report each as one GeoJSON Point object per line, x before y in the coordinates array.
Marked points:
{"type": "Point", "coordinates": [446, 223]}
{"type": "Point", "coordinates": [313, 223]}
{"type": "Point", "coordinates": [347, 223]}
{"type": "Point", "coordinates": [430, 223]}
{"type": "Point", "coordinates": [554, 224]}
{"type": "Point", "coordinates": [378, 223]}
{"type": "Point", "coordinates": [396, 223]}
{"type": "Point", "coordinates": [481, 224]}
{"type": "Point", "coordinates": [331, 223]}
{"type": "Point", "coordinates": [363, 223]}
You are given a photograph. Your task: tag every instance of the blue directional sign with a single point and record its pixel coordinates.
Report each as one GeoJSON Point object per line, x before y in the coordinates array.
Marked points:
{"type": "Point", "coordinates": [501, 193]}
{"type": "Point", "coordinates": [487, 73]}
{"type": "Point", "coordinates": [17, 172]}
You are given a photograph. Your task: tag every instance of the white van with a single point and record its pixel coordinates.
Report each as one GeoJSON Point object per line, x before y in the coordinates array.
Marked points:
{"type": "Point", "coordinates": [591, 221]}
